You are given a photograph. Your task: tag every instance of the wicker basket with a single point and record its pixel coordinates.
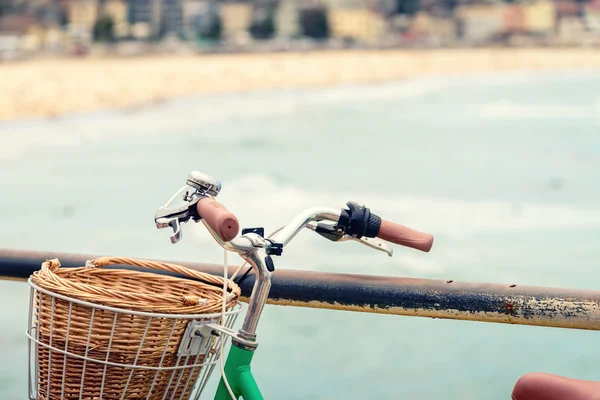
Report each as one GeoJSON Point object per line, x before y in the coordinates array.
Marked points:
{"type": "Point", "coordinates": [98, 333]}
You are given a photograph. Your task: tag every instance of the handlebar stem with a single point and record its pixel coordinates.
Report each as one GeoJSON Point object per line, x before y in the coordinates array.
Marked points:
{"type": "Point", "coordinates": [260, 292]}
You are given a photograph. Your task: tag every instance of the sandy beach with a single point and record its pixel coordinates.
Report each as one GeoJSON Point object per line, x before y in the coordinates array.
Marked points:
{"type": "Point", "coordinates": [47, 88]}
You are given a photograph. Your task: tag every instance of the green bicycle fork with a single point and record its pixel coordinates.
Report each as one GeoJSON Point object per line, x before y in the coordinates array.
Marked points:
{"type": "Point", "coordinates": [239, 376]}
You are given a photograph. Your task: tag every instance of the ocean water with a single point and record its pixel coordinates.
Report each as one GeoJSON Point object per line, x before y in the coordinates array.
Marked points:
{"type": "Point", "coordinates": [503, 169]}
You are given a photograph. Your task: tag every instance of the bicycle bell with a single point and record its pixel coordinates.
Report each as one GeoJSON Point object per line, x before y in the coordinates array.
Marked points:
{"type": "Point", "coordinates": [204, 183]}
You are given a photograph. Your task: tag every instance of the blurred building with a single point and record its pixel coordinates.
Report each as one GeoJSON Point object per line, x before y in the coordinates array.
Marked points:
{"type": "Point", "coordinates": [50, 13]}
{"type": "Point", "coordinates": [433, 30]}
{"type": "Point", "coordinates": [592, 16]}
{"type": "Point", "coordinates": [83, 13]}
{"type": "Point", "coordinates": [359, 24]}
{"type": "Point", "coordinates": [569, 9]}
{"type": "Point", "coordinates": [287, 19]}
{"type": "Point", "coordinates": [201, 19]}
{"type": "Point", "coordinates": [25, 34]}
{"type": "Point", "coordinates": [33, 40]}
{"type": "Point", "coordinates": [171, 18]}
{"type": "Point", "coordinates": [192, 12]}
{"type": "Point", "coordinates": [293, 17]}
{"type": "Point", "coordinates": [140, 11]}
{"type": "Point", "coordinates": [54, 38]}
{"type": "Point", "coordinates": [145, 18]}
{"type": "Point", "coordinates": [17, 24]}
{"type": "Point", "coordinates": [315, 21]}
{"type": "Point", "coordinates": [540, 17]}
{"type": "Point", "coordinates": [571, 30]}
{"type": "Point", "coordinates": [345, 4]}
{"type": "Point", "coordinates": [356, 20]}
{"type": "Point", "coordinates": [513, 19]}
{"type": "Point", "coordinates": [373, 22]}
{"type": "Point", "coordinates": [7, 6]}
{"type": "Point", "coordinates": [236, 19]}
{"type": "Point", "coordinates": [479, 24]}
{"type": "Point", "coordinates": [117, 10]}
{"type": "Point", "coordinates": [82, 17]}
{"type": "Point", "coordinates": [13, 31]}
{"type": "Point", "coordinates": [385, 7]}
{"type": "Point", "coordinates": [531, 19]}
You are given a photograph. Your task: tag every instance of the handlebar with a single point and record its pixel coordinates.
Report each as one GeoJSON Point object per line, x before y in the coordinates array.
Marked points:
{"type": "Point", "coordinates": [221, 220]}
{"type": "Point", "coordinates": [353, 223]}
{"type": "Point", "coordinates": [404, 236]}
{"type": "Point", "coordinates": [226, 226]}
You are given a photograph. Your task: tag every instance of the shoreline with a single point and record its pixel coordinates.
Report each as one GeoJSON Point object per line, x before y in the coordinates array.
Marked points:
{"type": "Point", "coordinates": [49, 88]}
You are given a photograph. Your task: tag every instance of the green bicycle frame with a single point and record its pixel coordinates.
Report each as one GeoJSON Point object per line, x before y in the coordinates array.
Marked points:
{"type": "Point", "coordinates": [239, 376]}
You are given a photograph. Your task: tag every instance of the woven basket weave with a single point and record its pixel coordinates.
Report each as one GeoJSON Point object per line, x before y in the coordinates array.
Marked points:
{"type": "Point", "coordinates": [89, 352]}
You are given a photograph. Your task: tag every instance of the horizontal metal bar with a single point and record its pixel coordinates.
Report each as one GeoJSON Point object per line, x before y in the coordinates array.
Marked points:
{"type": "Point", "coordinates": [510, 304]}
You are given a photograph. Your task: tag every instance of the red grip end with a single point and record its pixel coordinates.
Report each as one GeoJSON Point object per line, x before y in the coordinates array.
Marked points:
{"type": "Point", "coordinates": [399, 234]}
{"type": "Point", "coordinates": [223, 222]}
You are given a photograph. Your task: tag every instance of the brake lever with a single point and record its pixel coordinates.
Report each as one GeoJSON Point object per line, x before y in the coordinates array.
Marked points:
{"type": "Point", "coordinates": [173, 217]}
{"type": "Point", "coordinates": [203, 186]}
{"type": "Point", "coordinates": [373, 243]}
{"type": "Point", "coordinates": [328, 231]}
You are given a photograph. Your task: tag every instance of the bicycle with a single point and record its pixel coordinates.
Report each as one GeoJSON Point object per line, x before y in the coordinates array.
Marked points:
{"type": "Point", "coordinates": [354, 223]}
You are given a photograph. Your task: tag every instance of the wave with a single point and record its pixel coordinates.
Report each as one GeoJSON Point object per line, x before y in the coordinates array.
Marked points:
{"type": "Point", "coordinates": [508, 109]}
{"type": "Point", "coordinates": [191, 114]}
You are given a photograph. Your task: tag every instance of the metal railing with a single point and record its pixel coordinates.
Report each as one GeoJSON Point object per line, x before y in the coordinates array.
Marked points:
{"type": "Point", "coordinates": [484, 302]}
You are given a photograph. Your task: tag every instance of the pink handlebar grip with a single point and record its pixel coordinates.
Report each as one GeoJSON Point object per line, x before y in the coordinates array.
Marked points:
{"type": "Point", "coordinates": [223, 222]}
{"type": "Point", "coordinates": [404, 236]}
